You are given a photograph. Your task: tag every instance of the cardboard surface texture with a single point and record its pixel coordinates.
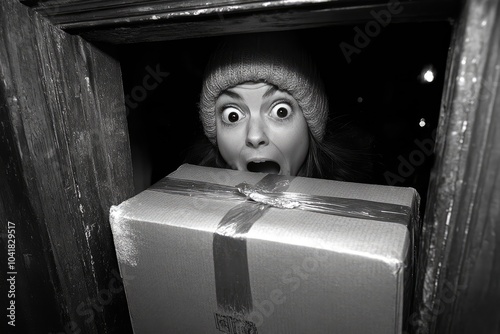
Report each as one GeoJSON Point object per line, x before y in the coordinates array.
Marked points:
{"type": "Point", "coordinates": [307, 272]}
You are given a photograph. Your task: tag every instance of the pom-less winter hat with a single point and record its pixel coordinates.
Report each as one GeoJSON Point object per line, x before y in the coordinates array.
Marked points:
{"type": "Point", "coordinates": [274, 59]}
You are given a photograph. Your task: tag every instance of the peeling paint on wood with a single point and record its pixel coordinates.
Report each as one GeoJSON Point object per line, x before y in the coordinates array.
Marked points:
{"type": "Point", "coordinates": [461, 235]}
{"type": "Point", "coordinates": [64, 160]}
{"type": "Point", "coordinates": [132, 21]}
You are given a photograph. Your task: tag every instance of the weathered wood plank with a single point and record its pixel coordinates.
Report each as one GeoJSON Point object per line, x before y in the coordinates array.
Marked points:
{"type": "Point", "coordinates": [459, 290]}
{"type": "Point", "coordinates": [130, 21]}
{"type": "Point", "coordinates": [64, 146]}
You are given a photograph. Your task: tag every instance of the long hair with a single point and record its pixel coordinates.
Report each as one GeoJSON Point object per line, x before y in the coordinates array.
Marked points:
{"type": "Point", "coordinates": [329, 159]}
{"type": "Point", "coordinates": [204, 153]}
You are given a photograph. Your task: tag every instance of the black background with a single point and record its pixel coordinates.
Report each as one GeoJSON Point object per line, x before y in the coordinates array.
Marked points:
{"type": "Point", "coordinates": [379, 95]}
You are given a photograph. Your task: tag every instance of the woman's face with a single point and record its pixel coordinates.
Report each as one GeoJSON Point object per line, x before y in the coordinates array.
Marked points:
{"type": "Point", "coordinates": [261, 129]}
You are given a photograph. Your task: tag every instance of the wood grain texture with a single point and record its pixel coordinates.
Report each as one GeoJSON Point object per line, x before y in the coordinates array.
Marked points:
{"type": "Point", "coordinates": [65, 160]}
{"type": "Point", "coordinates": [120, 22]}
{"type": "Point", "coordinates": [459, 289]}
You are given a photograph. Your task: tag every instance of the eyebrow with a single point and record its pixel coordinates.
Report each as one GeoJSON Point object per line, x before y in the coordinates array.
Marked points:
{"type": "Point", "coordinates": [269, 92]}
{"type": "Point", "coordinates": [231, 94]}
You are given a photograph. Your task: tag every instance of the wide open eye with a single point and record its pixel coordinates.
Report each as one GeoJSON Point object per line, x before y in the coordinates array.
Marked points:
{"type": "Point", "coordinates": [281, 110]}
{"type": "Point", "coordinates": [232, 115]}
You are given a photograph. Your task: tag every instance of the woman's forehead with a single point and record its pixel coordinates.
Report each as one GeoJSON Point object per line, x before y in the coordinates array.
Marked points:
{"type": "Point", "coordinates": [252, 85]}
{"type": "Point", "coordinates": [267, 89]}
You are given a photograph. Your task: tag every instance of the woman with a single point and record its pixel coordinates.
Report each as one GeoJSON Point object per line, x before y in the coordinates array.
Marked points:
{"type": "Point", "coordinates": [264, 109]}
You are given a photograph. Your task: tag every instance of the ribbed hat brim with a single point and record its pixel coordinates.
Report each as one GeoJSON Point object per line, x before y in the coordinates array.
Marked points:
{"type": "Point", "coordinates": [262, 58]}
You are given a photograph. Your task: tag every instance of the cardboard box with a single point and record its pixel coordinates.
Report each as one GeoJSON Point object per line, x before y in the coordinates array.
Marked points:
{"type": "Point", "coordinates": [188, 268]}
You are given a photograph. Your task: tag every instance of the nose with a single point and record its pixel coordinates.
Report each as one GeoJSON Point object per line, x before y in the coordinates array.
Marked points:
{"type": "Point", "coordinates": [256, 133]}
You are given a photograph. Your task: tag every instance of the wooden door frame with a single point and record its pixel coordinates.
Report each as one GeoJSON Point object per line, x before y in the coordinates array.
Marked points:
{"type": "Point", "coordinates": [462, 222]}
{"type": "Point", "coordinates": [457, 291]}
{"type": "Point", "coordinates": [64, 160]}
{"type": "Point", "coordinates": [132, 21]}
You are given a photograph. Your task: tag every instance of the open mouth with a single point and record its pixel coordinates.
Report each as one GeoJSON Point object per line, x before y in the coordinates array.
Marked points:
{"type": "Point", "coordinates": [269, 167]}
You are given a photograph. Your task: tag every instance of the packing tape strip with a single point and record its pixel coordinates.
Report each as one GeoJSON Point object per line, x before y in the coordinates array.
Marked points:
{"type": "Point", "coordinates": [232, 278]}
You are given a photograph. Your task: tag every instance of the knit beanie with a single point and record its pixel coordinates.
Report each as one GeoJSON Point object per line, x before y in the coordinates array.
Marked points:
{"type": "Point", "coordinates": [273, 58]}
